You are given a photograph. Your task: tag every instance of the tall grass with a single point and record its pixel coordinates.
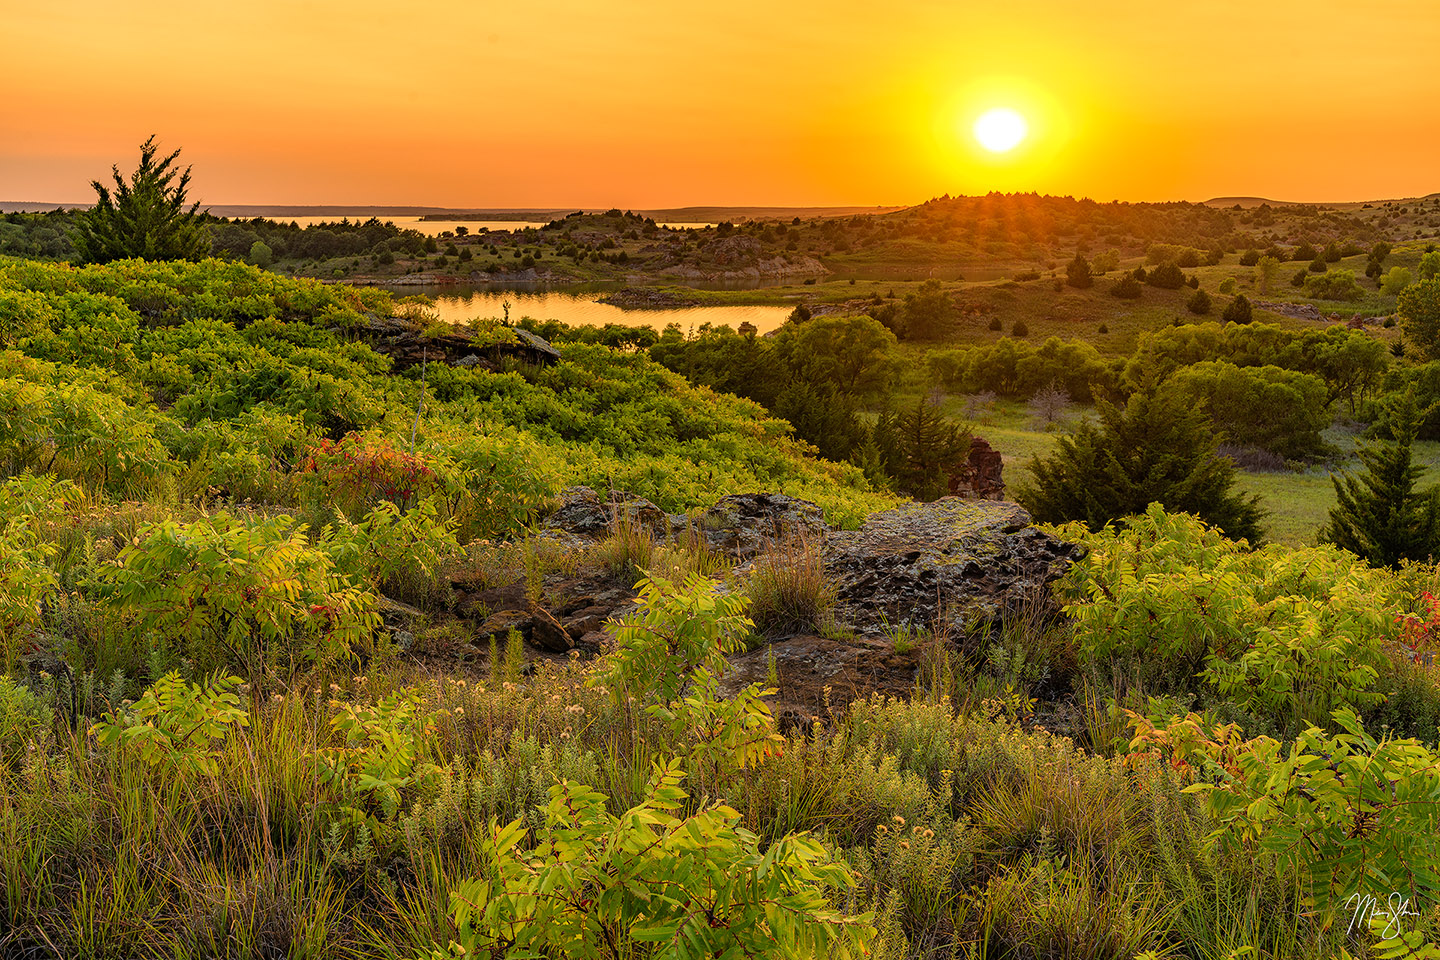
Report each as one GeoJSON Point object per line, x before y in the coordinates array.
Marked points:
{"type": "Point", "coordinates": [788, 588]}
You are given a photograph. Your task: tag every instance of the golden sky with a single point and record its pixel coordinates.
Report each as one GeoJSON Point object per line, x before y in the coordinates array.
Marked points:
{"type": "Point", "coordinates": [652, 103]}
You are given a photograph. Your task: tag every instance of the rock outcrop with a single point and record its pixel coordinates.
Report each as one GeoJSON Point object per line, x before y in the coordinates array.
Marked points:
{"type": "Point", "coordinates": [981, 477]}
{"type": "Point", "coordinates": [742, 525]}
{"type": "Point", "coordinates": [954, 566]}
{"type": "Point", "coordinates": [1295, 311]}
{"type": "Point", "coordinates": [647, 298]}
{"type": "Point", "coordinates": [408, 346]}
{"type": "Point", "coordinates": [952, 569]}
{"type": "Point", "coordinates": [585, 515]}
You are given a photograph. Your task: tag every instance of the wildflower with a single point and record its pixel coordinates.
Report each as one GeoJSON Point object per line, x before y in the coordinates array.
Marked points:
{"type": "Point", "coordinates": [898, 819]}
{"type": "Point", "coordinates": [459, 711]}
{"type": "Point", "coordinates": [904, 844]}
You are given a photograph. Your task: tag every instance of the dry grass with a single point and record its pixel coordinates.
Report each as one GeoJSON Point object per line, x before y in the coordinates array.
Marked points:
{"type": "Point", "coordinates": [788, 588]}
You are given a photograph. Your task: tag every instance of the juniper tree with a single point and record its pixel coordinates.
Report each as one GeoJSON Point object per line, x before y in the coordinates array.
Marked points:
{"type": "Point", "coordinates": [1379, 515]}
{"type": "Point", "coordinates": [1159, 448]}
{"type": "Point", "coordinates": [145, 218]}
{"type": "Point", "coordinates": [920, 448]}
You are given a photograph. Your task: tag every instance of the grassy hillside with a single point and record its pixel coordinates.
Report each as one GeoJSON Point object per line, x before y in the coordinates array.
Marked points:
{"type": "Point", "coordinates": [252, 701]}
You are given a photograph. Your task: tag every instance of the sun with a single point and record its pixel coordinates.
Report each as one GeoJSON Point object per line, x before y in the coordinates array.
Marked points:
{"type": "Point", "coordinates": [1000, 130]}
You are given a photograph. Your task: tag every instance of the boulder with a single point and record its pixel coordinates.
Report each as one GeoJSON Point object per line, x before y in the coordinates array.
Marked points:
{"type": "Point", "coordinates": [957, 566]}
{"type": "Point", "coordinates": [742, 524]}
{"type": "Point", "coordinates": [584, 514]}
{"type": "Point", "coordinates": [981, 476]}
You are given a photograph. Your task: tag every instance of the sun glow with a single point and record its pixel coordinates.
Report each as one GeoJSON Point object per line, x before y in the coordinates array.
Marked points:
{"type": "Point", "coordinates": [1000, 130]}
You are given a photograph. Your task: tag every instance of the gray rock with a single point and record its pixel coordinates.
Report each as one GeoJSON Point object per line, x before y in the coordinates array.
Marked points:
{"type": "Point", "coordinates": [956, 565]}
{"type": "Point", "coordinates": [585, 514]}
{"type": "Point", "coordinates": [741, 525]}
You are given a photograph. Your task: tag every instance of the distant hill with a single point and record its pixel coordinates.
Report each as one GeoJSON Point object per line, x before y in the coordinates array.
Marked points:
{"type": "Point", "coordinates": [1245, 202]}
{"type": "Point", "coordinates": [711, 214]}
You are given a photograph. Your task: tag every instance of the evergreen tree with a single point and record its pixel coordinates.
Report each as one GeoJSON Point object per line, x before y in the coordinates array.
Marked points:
{"type": "Point", "coordinates": [1078, 274]}
{"type": "Point", "coordinates": [920, 448]}
{"type": "Point", "coordinates": [145, 218]}
{"type": "Point", "coordinates": [1238, 310]}
{"type": "Point", "coordinates": [822, 415]}
{"type": "Point", "coordinates": [1379, 515]}
{"type": "Point", "coordinates": [1159, 448]}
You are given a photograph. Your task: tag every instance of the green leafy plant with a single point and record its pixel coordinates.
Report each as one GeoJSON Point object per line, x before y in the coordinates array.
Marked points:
{"type": "Point", "coordinates": [254, 596]}
{"type": "Point", "coordinates": [650, 882]}
{"type": "Point", "coordinates": [384, 756]}
{"type": "Point", "coordinates": [1352, 816]}
{"type": "Point", "coordinates": [400, 553]}
{"type": "Point", "coordinates": [180, 726]}
{"type": "Point", "coordinates": [1290, 634]}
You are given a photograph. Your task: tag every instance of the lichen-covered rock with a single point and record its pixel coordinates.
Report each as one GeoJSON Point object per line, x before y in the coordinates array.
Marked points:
{"type": "Point", "coordinates": [815, 674]}
{"type": "Point", "coordinates": [584, 513]}
{"type": "Point", "coordinates": [740, 525]}
{"type": "Point", "coordinates": [959, 565]}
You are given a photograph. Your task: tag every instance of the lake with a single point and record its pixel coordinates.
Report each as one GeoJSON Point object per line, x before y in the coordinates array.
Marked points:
{"type": "Point", "coordinates": [578, 307]}
{"type": "Point", "coordinates": [433, 228]}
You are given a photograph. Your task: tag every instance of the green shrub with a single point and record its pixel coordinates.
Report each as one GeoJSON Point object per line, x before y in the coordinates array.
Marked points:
{"type": "Point", "coordinates": [1167, 276]}
{"type": "Point", "coordinates": [698, 883]}
{"type": "Point", "coordinates": [401, 554]}
{"type": "Point", "coordinates": [1127, 288]}
{"type": "Point", "coordinates": [1395, 282]}
{"type": "Point", "coordinates": [1158, 449]}
{"type": "Point", "coordinates": [24, 721]}
{"type": "Point", "coordinates": [1335, 285]}
{"type": "Point", "coordinates": [178, 726]}
{"type": "Point", "coordinates": [255, 597]}
{"type": "Point", "coordinates": [1282, 411]}
{"type": "Point", "coordinates": [1288, 635]}
{"type": "Point", "coordinates": [1238, 310]}
{"type": "Point", "coordinates": [1353, 818]}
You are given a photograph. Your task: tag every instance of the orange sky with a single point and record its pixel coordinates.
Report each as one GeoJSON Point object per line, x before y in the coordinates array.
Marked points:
{"type": "Point", "coordinates": [651, 103]}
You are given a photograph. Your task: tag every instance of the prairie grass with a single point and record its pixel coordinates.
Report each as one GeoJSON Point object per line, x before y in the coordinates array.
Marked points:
{"type": "Point", "coordinates": [788, 588]}
{"type": "Point", "coordinates": [969, 836]}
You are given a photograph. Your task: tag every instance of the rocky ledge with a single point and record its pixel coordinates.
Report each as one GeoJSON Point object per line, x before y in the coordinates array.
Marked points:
{"type": "Point", "coordinates": [405, 343]}
{"type": "Point", "coordinates": [955, 568]}
{"type": "Point", "coordinates": [958, 567]}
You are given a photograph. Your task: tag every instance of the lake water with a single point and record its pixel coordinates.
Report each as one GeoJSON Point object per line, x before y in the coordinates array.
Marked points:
{"type": "Point", "coordinates": [433, 228]}
{"type": "Point", "coordinates": [578, 307]}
